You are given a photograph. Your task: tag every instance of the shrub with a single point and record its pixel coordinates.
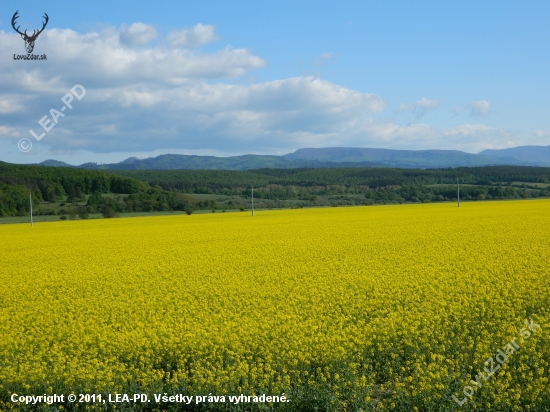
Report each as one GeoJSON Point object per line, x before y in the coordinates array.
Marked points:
{"type": "Point", "coordinates": [72, 213]}
{"type": "Point", "coordinates": [108, 212]}
{"type": "Point", "coordinates": [44, 211]}
{"type": "Point", "coordinates": [83, 212]}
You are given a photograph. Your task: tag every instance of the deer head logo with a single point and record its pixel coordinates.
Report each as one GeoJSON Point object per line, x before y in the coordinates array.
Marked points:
{"type": "Point", "coordinates": [29, 40]}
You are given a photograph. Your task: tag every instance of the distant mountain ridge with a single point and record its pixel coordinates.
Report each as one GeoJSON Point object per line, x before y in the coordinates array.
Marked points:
{"type": "Point", "coordinates": [57, 163]}
{"type": "Point", "coordinates": [331, 157]}
{"type": "Point", "coordinates": [396, 158]}
{"type": "Point", "coordinates": [536, 154]}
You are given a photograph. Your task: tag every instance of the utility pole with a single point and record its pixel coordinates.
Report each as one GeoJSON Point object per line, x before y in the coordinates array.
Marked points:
{"type": "Point", "coordinates": [30, 202]}
{"type": "Point", "coordinates": [252, 200]}
{"type": "Point", "coordinates": [458, 191]}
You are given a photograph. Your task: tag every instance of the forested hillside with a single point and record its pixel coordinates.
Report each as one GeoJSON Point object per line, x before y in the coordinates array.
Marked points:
{"type": "Point", "coordinates": [346, 186]}
{"type": "Point", "coordinates": [211, 180]}
{"type": "Point", "coordinates": [50, 184]}
{"type": "Point", "coordinates": [85, 192]}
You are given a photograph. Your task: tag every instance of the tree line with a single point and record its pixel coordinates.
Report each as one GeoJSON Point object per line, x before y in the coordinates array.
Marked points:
{"type": "Point", "coordinates": [51, 184]}
{"type": "Point", "coordinates": [233, 182]}
{"type": "Point", "coordinates": [85, 191]}
{"type": "Point", "coordinates": [340, 186]}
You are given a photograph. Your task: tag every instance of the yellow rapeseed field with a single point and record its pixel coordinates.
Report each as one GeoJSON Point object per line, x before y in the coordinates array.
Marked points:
{"type": "Point", "coordinates": [359, 308]}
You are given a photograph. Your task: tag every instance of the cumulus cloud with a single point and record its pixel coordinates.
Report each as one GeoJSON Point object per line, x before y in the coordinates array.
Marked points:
{"type": "Point", "coordinates": [145, 98]}
{"type": "Point", "coordinates": [221, 116]}
{"type": "Point", "coordinates": [137, 34]}
{"type": "Point", "coordinates": [193, 37]}
{"type": "Point", "coordinates": [480, 108]}
{"type": "Point", "coordinates": [420, 107]}
{"type": "Point", "coordinates": [541, 133]}
{"type": "Point", "coordinates": [102, 60]}
{"type": "Point", "coordinates": [160, 96]}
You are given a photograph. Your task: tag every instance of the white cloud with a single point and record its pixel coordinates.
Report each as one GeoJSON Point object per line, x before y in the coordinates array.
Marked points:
{"type": "Point", "coordinates": [137, 34]}
{"type": "Point", "coordinates": [541, 133]}
{"type": "Point", "coordinates": [161, 97]}
{"type": "Point", "coordinates": [194, 37]}
{"type": "Point", "coordinates": [221, 116]}
{"type": "Point", "coordinates": [100, 59]}
{"type": "Point", "coordinates": [480, 108]}
{"type": "Point", "coordinates": [467, 137]}
{"type": "Point", "coordinates": [420, 107]}
{"type": "Point", "coordinates": [7, 131]}
{"type": "Point", "coordinates": [157, 96]}
{"type": "Point", "coordinates": [11, 104]}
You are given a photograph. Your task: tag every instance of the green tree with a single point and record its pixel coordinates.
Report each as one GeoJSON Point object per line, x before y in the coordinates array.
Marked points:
{"type": "Point", "coordinates": [83, 212]}
{"type": "Point", "coordinates": [72, 213]}
{"type": "Point", "coordinates": [108, 212]}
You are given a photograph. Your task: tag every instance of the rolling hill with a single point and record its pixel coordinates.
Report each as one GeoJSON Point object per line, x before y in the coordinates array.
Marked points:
{"type": "Point", "coordinates": [333, 157]}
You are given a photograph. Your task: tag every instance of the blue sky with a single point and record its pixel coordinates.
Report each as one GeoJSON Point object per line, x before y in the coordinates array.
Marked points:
{"type": "Point", "coordinates": [235, 77]}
